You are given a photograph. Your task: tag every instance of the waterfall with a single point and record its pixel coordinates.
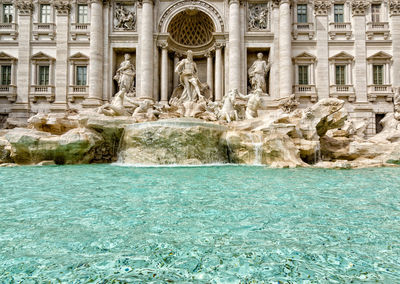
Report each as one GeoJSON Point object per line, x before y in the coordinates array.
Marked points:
{"type": "Point", "coordinates": [256, 141]}
{"type": "Point", "coordinates": [120, 156]}
{"type": "Point", "coordinates": [317, 153]}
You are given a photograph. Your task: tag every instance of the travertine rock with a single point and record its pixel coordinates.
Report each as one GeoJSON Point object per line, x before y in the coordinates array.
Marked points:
{"type": "Point", "coordinates": [273, 149]}
{"type": "Point", "coordinates": [181, 141]}
{"type": "Point", "coordinates": [31, 146]}
{"type": "Point", "coordinates": [53, 123]}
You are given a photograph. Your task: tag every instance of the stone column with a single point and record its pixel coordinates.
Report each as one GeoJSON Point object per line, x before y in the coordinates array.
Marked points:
{"type": "Point", "coordinates": [210, 71]}
{"type": "Point", "coordinates": [359, 9]}
{"type": "Point", "coordinates": [321, 9]}
{"type": "Point", "coordinates": [164, 72]}
{"type": "Point", "coordinates": [274, 53]}
{"type": "Point", "coordinates": [96, 55]}
{"type": "Point", "coordinates": [176, 75]}
{"type": "Point", "coordinates": [395, 30]}
{"type": "Point", "coordinates": [61, 78]}
{"type": "Point", "coordinates": [147, 50]}
{"type": "Point", "coordinates": [21, 108]}
{"type": "Point", "coordinates": [234, 45]}
{"type": "Point", "coordinates": [285, 49]}
{"type": "Point", "coordinates": [218, 72]}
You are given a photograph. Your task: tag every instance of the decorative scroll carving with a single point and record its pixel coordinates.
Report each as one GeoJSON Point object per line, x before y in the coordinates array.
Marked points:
{"type": "Point", "coordinates": [321, 7]}
{"type": "Point", "coordinates": [25, 7]}
{"type": "Point", "coordinates": [359, 7]}
{"type": "Point", "coordinates": [394, 7]}
{"type": "Point", "coordinates": [62, 6]}
{"type": "Point", "coordinates": [258, 17]}
{"type": "Point", "coordinates": [125, 17]}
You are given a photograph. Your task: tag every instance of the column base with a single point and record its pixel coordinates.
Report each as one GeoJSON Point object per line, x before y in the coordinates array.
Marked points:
{"type": "Point", "coordinates": [92, 103]}
{"type": "Point", "coordinates": [19, 115]}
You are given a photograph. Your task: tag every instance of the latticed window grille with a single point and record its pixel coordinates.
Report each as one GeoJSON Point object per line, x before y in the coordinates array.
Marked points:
{"type": "Point", "coordinates": [191, 29]}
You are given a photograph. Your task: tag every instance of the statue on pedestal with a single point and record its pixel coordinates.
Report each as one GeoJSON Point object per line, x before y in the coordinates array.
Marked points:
{"type": "Point", "coordinates": [125, 75]}
{"type": "Point", "coordinates": [258, 73]}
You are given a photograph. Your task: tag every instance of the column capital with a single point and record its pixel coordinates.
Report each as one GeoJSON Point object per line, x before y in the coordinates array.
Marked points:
{"type": "Point", "coordinates": [25, 7]}
{"type": "Point", "coordinates": [219, 45]}
{"type": "Point", "coordinates": [162, 44]}
{"type": "Point", "coordinates": [209, 53]}
{"type": "Point", "coordinates": [235, 2]}
{"type": "Point", "coordinates": [321, 7]}
{"type": "Point", "coordinates": [359, 7]}
{"type": "Point", "coordinates": [394, 7]}
{"type": "Point", "coordinates": [63, 7]}
{"type": "Point", "coordinates": [141, 2]}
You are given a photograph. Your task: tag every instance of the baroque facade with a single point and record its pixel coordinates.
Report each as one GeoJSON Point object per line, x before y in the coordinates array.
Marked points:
{"type": "Point", "coordinates": [64, 54]}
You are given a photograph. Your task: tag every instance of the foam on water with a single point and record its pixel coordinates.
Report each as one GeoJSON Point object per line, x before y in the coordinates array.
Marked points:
{"type": "Point", "coordinates": [213, 224]}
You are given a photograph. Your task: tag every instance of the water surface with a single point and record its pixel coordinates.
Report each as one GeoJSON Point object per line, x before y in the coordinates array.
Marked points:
{"type": "Point", "coordinates": [227, 224]}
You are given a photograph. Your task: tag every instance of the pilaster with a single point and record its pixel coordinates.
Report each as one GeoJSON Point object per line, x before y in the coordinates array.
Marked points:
{"type": "Point", "coordinates": [321, 9]}
{"type": "Point", "coordinates": [274, 55]}
{"type": "Point", "coordinates": [21, 107]}
{"type": "Point", "coordinates": [394, 7]}
{"type": "Point", "coordinates": [359, 8]}
{"type": "Point", "coordinates": [61, 79]}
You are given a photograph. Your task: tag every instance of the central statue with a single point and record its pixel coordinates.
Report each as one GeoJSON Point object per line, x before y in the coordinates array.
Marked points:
{"type": "Point", "coordinates": [187, 70]}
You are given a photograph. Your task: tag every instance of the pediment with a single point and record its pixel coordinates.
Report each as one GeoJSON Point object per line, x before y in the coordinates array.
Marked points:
{"type": "Point", "coordinates": [380, 55]}
{"type": "Point", "coordinates": [342, 56]}
{"type": "Point", "coordinates": [42, 56]}
{"type": "Point", "coordinates": [305, 55]}
{"type": "Point", "coordinates": [5, 56]}
{"type": "Point", "coordinates": [78, 56]}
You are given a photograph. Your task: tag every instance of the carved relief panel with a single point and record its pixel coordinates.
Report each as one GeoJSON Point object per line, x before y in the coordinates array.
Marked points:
{"type": "Point", "coordinates": [258, 16]}
{"type": "Point", "coordinates": [124, 16]}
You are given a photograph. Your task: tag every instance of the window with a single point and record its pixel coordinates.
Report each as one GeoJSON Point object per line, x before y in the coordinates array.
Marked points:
{"type": "Point", "coordinates": [45, 13]}
{"type": "Point", "coordinates": [376, 12]}
{"type": "Point", "coordinates": [81, 75]}
{"type": "Point", "coordinates": [303, 75]}
{"type": "Point", "coordinates": [8, 13]}
{"type": "Point", "coordinates": [378, 74]}
{"type": "Point", "coordinates": [340, 75]}
{"type": "Point", "coordinates": [83, 14]}
{"type": "Point", "coordinates": [339, 13]}
{"type": "Point", "coordinates": [6, 75]}
{"type": "Point", "coordinates": [302, 13]}
{"type": "Point", "coordinates": [44, 75]}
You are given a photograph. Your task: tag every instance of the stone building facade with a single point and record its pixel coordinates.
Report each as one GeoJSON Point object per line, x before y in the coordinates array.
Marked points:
{"type": "Point", "coordinates": [63, 54]}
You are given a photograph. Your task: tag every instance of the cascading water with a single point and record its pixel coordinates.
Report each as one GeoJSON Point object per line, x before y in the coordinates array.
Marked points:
{"type": "Point", "coordinates": [256, 140]}
{"type": "Point", "coordinates": [317, 153]}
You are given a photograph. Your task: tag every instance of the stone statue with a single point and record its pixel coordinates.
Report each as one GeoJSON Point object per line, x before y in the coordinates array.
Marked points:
{"type": "Point", "coordinates": [396, 101]}
{"type": "Point", "coordinates": [125, 75]}
{"type": "Point", "coordinates": [258, 17]}
{"type": "Point", "coordinates": [145, 111]}
{"type": "Point", "coordinates": [116, 107]}
{"type": "Point", "coordinates": [187, 70]}
{"type": "Point", "coordinates": [228, 111]}
{"type": "Point", "coordinates": [289, 103]}
{"type": "Point", "coordinates": [258, 73]}
{"type": "Point", "coordinates": [253, 103]}
{"type": "Point", "coordinates": [126, 20]}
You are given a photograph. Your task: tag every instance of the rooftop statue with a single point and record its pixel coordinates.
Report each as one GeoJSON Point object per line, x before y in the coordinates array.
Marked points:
{"type": "Point", "coordinates": [258, 73]}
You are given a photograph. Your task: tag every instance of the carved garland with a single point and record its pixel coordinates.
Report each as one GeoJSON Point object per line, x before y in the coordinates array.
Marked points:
{"type": "Point", "coordinates": [359, 7]}
{"type": "Point", "coordinates": [321, 7]}
{"type": "Point", "coordinates": [193, 3]}
{"type": "Point", "coordinates": [394, 7]}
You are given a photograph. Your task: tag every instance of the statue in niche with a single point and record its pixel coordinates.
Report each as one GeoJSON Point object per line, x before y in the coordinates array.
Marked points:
{"type": "Point", "coordinates": [258, 17]}
{"type": "Point", "coordinates": [125, 75]}
{"type": "Point", "coordinates": [258, 73]}
{"type": "Point", "coordinates": [125, 19]}
{"type": "Point", "coordinates": [187, 70]}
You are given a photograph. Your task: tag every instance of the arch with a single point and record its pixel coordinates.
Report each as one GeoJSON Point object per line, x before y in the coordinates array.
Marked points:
{"type": "Point", "coordinates": [183, 5]}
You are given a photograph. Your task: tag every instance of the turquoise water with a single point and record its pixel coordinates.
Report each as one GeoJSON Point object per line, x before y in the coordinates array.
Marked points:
{"type": "Point", "coordinates": [231, 224]}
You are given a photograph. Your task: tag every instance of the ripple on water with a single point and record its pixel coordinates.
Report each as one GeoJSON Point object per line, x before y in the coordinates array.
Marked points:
{"type": "Point", "coordinates": [203, 224]}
